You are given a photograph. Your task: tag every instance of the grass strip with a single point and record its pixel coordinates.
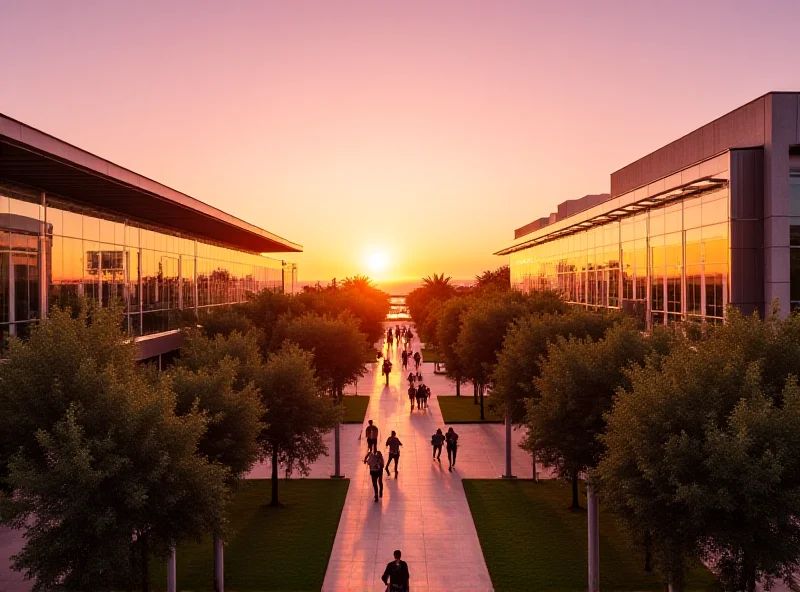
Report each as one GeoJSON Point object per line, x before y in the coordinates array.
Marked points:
{"type": "Point", "coordinates": [463, 410]}
{"type": "Point", "coordinates": [531, 540]}
{"type": "Point", "coordinates": [270, 548]}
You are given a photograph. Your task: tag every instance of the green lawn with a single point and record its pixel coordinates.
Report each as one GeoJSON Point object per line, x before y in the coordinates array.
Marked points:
{"type": "Point", "coordinates": [281, 548]}
{"type": "Point", "coordinates": [431, 355]}
{"type": "Point", "coordinates": [355, 408]}
{"type": "Point", "coordinates": [463, 410]}
{"type": "Point", "coordinates": [532, 541]}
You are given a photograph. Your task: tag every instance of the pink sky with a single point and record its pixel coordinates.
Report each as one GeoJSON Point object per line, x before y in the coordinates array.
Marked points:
{"type": "Point", "coordinates": [426, 131]}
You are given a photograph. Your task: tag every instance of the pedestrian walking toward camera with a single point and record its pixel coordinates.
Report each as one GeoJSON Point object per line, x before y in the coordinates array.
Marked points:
{"type": "Point", "coordinates": [372, 438]}
{"type": "Point", "coordinates": [452, 447]}
{"type": "Point", "coordinates": [425, 396]}
{"type": "Point", "coordinates": [389, 338]}
{"type": "Point", "coordinates": [394, 444]}
{"type": "Point", "coordinates": [411, 378]}
{"type": "Point", "coordinates": [387, 369]}
{"type": "Point", "coordinates": [437, 441]}
{"type": "Point", "coordinates": [412, 394]}
{"type": "Point", "coordinates": [396, 576]}
{"type": "Point", "coordinates": [417, 360]}
{"type": "Point", "coordinates": [375, 461]}
{"type": "Point", "coordinates": [419, 394]}
{"type": "Point", "coordinates": [404, 357]}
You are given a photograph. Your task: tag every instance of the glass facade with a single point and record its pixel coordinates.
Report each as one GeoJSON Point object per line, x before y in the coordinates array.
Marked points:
{"type": "Point", "coordinates": [154, 273]}
{"type": "Point", "coordinates": [668, 263]}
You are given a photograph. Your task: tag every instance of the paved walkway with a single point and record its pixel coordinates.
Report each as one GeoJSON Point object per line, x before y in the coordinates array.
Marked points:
{"type": "Point", "coordinates": [424, 510]}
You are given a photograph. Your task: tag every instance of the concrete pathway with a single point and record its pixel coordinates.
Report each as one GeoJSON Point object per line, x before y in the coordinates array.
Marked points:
{"type": "Point", "coordinates": [424, 510]}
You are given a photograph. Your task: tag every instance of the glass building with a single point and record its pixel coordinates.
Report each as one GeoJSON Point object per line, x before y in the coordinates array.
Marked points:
{"type": "Point", "coordinates": [72, 224]}
{"type": "Point", "coordinates": [709, 220]}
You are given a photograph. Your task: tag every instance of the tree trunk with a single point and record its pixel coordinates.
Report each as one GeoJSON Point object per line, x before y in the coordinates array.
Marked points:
{"type": "Point", "coordinates": [458, 386]}
{"type": "Point", "coordinates": [648, 552]}
{"type": "Point", "coordinates": [475, 392]}
{"type": "Point", "coordinates": [481, 392]}
{"type": "Point", "coordinates": [747, 579]}
{"type": "Point", "coordinates": [575, 503]}
{"type": "Point", "coordinates": [274, 501]}
{"type": "Point", "coordinates": [145, 559]}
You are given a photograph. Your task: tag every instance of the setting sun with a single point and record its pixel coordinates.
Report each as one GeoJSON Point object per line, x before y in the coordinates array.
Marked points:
{"type": "Point", "coordinates": [377, 262]}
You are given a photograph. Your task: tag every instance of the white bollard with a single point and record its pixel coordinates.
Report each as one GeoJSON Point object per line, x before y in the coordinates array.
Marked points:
{"type": "Point", "coordinates": [507, 474]}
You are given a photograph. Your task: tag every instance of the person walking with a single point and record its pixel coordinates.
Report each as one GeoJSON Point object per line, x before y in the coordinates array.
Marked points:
{"type": "Point", "coordinates": [437, 441]}
{"type": "Point", "coordinates": [452, 447]}
{"type": "Point", "coordinates": [411, 378]}
{"type": "Point", "coordinates": [372, 438]}
{"type": "Point", "coordinates": [417, 360]}
{"type": "Point", "coordinates": [375, 461]}
{"type": "Point", "coordinates": [404, 357]}
{"type": "Point", "coordinates": [412, 394]}
{"type": "Point", "coordinates": [396, 576]}
{"type": "Point", "coordinates": [426, 393]}
{"type": "Point", "coordinates": [419, 395]}
{"type": "Point", "coordinates": [387, 369]}
{"type": "Point", "coordinates": [394, 444]}
{"type": "Point", "coordinates": [389, 338]}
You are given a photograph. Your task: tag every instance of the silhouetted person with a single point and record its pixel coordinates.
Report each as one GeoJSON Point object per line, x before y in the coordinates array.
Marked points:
{"type": "Point", "coordinates": [419, 395]}
{"type": "Point", "coordinates": [452, 447]}
{"type": "Point", "coordinates": [396, 576]}
{"type": "Point", "coordinates": [417, 360]}
{"type": "Point", "coordinates": [375, 462]}
{"type": "Point", "coordinates": [412, 394]}
{"type": "Point", "coordinates": [404, 357]}
{"type": "Point", "coordinates": [411, 378]}
{"type": "Point", "coordinates": [425, 394]}
{"type": "Point", "coordinates": [372, 437]}
{"type": "Point", "coordinates": [394, 444]}
{"type": "Point", "coordinates": [387, 369]}
{"type": "Point", "coordinates": [437, 441]}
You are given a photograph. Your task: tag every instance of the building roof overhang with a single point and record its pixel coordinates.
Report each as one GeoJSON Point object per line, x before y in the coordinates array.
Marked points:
{"type": "Point", "coordinates": [34, 159]}
{"type": "Point", "coordinates": [617, 208]}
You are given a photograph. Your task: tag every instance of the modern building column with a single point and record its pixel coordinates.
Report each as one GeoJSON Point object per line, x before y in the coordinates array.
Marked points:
{"type": "Point", "coordinates": [44, 251]}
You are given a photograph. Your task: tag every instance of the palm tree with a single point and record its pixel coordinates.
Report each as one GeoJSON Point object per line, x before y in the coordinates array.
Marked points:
{"type": "Point", "coordinates": [357, 282]}
{"type": "Point", "coordinates": [438, 286]}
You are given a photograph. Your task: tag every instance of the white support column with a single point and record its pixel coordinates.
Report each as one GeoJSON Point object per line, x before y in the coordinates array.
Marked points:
{"type": "Point", "coordinates": [172, 572]}
{"type": "Point", "coordinates": [337, 463]}
{"type": "Point", "coordinates": [594, 539]}
{"type": "Point", "coordinates": [44, 257]}
{"type": "Point", "coordinates": [219, 565]}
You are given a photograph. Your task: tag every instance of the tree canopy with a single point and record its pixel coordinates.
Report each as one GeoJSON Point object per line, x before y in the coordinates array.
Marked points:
{"type": "Point", "coordinates": [101, 468]}
{"type": "Point", "coordinates": [703, 452]}
{"type": "Point", "coordinates": [576, 386]}
{"type": "Point", "coordinates": [298, 416]}
{"type": "Point", "coordinates": [525, 347]}
{"type": "Point", "coordinates": [338, 346]}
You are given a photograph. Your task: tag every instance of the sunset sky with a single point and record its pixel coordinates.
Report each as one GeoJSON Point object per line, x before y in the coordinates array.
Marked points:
{"type": "Point", "coordinates": [396, 138]}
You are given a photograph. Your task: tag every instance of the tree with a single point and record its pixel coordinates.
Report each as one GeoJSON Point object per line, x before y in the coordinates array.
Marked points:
{"type": "Point", "coordinates": [447, 329]}
{"type": "Point", "coordinates": [205, 380]}
{"type": "Point", "coordinates": [525, 346]}
{"type": "Point", "coordinates": [484, 327]}
{"type": "Point", "coordinates": [225, 320]}
{"type": "Point", "coordinates": [99, 468]}
{"type": "Point", "coordinates": [234, 415]}
{"type": "Point", "coordinates": [498, 280]}
{"type": "Point", "coordinates": [702, 453]}
{"type": "Point", "coordinates": [435, 287]}
{"type": "Point", "coordinates": [298, 416]}
{"type": "Point", "coordinates": [576, 386]}
{"type": "Point", "coordinates": [339, 350]}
